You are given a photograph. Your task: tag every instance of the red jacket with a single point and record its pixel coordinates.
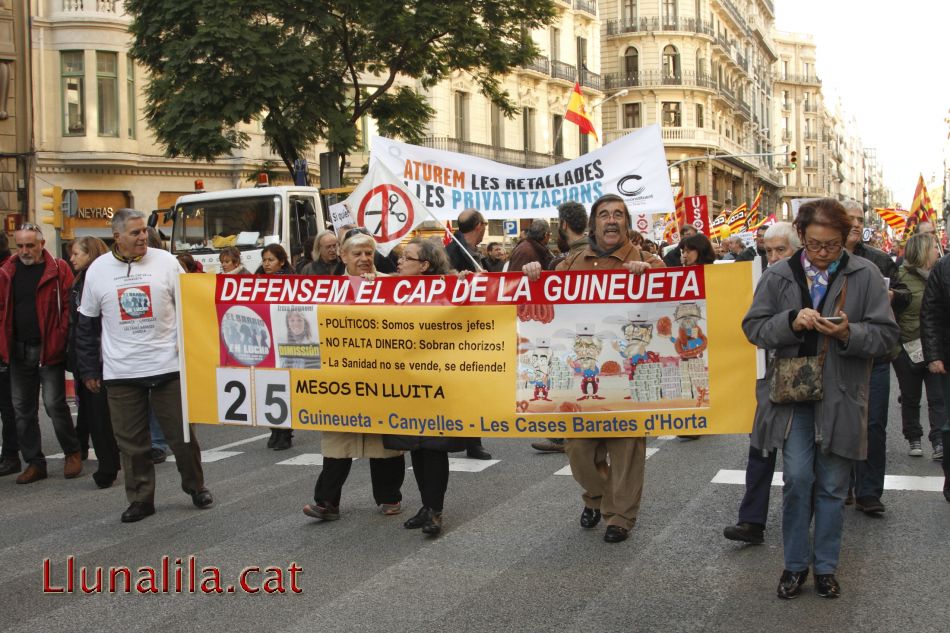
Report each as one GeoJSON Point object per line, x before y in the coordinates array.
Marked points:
{"type": "Point", "coordinates": [52, 308]}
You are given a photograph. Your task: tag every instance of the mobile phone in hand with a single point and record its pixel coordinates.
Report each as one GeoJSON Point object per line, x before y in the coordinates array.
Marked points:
{"type": "Point", "coordinates": [834, 319]}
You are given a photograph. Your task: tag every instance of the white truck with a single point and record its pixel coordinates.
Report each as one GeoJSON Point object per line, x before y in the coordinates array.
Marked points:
{"type": "Point", "coordinates": [248, 219]}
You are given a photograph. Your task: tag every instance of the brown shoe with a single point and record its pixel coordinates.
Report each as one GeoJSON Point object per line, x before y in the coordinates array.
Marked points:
{"type": "Point", "coordinates": [73, 465]}
{"type": "Point", "coordinates": [31, 474]}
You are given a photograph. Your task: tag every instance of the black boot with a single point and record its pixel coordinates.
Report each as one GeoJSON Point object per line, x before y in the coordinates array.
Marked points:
{"type": "Point", "coordinates": [946, 465]}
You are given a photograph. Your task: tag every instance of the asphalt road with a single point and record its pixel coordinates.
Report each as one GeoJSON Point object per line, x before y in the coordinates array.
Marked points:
{"type": "Point", "coordinates": [512, 556]}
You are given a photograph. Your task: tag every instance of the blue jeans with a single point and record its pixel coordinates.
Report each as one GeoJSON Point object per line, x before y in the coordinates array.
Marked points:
{"type": "Point", "coordinates": [815, 484]}
{"type": "Point", "coordinates": [155, 431]}
{"type": "Point", "coordinates": [27, 375]}
{"type": "Point", "coordinates": [869, 474]}
{"type": "Point", "coordinates": [758, 482]}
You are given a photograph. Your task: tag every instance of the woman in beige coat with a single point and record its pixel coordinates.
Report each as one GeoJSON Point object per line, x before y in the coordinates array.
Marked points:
{"type": "Point", "coordinates": [387, 467]}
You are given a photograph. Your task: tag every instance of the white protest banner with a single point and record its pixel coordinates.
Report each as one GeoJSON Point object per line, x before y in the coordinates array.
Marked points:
{"type": "Point", "coordinates": [633, 167]}
{"type": "Point", "coordinates": [385, 207]}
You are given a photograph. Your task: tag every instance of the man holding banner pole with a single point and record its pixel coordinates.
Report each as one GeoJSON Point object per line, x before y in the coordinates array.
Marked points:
{"type": "Point", "coordinates": [612, 487]}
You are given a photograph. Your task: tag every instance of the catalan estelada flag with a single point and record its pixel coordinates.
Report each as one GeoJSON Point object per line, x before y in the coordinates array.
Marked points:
{"type": "Point", "coordinates": [737, 218]}
{"type": "Point", "coordinates": [577, 112]}
{"type": "Point", "coordinates": [922, 209]}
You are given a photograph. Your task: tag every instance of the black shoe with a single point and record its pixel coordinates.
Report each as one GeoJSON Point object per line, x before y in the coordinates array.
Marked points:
{"type": "Point", "coordinates": [547, 446]}
{"type": "Point", "coordinates": [272, 440]}
{"type": "Point", "coordinates": [477, 452]}
{"type": "Point", "coordinates": [790, 584]}
{"type": "Point", "coordinates": [9, 466]}
{"type": "Point", "coordinates": [615, 534]}
{"type": "Point", "coordinates": [202, 498]}
{"type": "Point", "coordinates": [104, 480]}
{"type": "Point", "coordinates": [138, 511]}
{"type": "Point", "coordinates": [746, 532]}
{"type": "Point", "coordinates": [946, 494]}
{"type": "Point", "coordinates": [826, 586]}
{"type": "Point", "coordinates": [869, 505]}
{"type": "Point", "coordinates": [283, 441]}
{"type": "Point", "coordinates": [590, 517]}
{"type": "Point", "coordinates": [84, 453]}
{"type": "Point", "coordinates": [157, 455]}
{"type": "Point", "coordinates": [417, 521]}
{"type": "Point", "coordinates": [433, 524]}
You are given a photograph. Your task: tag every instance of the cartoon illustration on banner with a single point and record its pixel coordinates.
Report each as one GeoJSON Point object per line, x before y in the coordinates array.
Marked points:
{"type": "Point", "coordinates": [628, 360]}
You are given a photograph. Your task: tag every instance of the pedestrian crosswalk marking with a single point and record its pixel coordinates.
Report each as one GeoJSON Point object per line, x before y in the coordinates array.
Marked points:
{"type": "Point", "coordinates": [306, 459]}
{"type": "Point", "coordinates": [246, 440]}
{"type": "Point", "coordinates": [464, 465]}
{"type": "Point", "coordinates": [567, 469]}
{"type": "Point", "coordinates": [211, 456]}
{"type": "Point", "coordinates": [891, 482]}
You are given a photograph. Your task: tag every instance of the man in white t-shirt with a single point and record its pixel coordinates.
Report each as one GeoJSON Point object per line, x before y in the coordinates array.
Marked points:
{"type": "Point", "coordinates": [128, 312]}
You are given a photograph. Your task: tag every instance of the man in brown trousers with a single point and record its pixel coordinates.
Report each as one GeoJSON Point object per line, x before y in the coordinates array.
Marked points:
{"type": "Point", "coordinates": [612, 490]}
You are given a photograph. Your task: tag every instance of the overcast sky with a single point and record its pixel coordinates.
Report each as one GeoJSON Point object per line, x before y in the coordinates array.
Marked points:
{"type": "Point", "coordinates": [888, 62]}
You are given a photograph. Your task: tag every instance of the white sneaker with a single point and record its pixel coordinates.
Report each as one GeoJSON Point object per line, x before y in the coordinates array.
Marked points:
{"type": "Point", "coordinates": [915, 449]}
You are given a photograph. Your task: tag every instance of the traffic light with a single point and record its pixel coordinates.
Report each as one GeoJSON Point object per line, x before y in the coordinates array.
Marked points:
{"type": "Point", "coordinates": [55, 206]}
{"type": "Point", "coordinates": [793, 159]}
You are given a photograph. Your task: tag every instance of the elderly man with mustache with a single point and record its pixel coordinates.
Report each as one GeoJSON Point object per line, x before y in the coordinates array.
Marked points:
{"type": "Point", "coordinates": [613, 489]}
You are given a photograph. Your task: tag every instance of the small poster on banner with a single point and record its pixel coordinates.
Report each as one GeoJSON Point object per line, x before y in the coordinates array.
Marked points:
{"type": "Point", "coordinates": [296, 337]}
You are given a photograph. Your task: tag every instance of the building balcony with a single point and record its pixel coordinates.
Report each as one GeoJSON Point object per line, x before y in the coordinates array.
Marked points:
{"type": "Point", "coordinates": [728, 95]}
{"type": "Point", "coordinates": [799, 79]}
{"type": "Point", "coordinates": [744, 109]}
{"type": "Point", "coordinates": [654, 24]}
{"type": "Point", "coordinates": [560, 70]}
{"type": "Point", "coordinates": [591, 80]}
{"type": "Point", "coordinates": [539, 64]}
{"type": "Point", "coordinates": [734, 14]}
{"type": "Point", "coordinates": [515, 157]}
{"type": "Point", "coordinates": [586, 6]}
{"type": "Point", "coordinates": [87, 8]}
{"type": "Point", "coordinates": [650, 79]}
{"type": "Point", "coordinates": [770, 6]}
{"type": "Point", "coordinates": [810, 107]}
{"type": "Point", "coordinates": [811, 136]}
{"type": "Point", "coordinates": [810, 164]}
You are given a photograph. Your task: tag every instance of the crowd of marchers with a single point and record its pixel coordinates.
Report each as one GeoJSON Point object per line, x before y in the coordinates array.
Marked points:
{"type": "Point", "coordinates": [833, 314]}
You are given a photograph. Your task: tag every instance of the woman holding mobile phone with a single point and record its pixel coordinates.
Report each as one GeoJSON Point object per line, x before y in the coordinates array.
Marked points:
{"type": "Point", "coordinates": [820, 440]}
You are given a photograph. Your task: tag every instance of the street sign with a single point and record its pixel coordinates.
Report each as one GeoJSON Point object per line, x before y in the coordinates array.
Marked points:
{"type": "Point", "coordinates": [511, 228]}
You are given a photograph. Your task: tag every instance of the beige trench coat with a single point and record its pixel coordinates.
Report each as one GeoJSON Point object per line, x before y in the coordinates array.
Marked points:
{"type": "Point", "coordinates": [341, 445]}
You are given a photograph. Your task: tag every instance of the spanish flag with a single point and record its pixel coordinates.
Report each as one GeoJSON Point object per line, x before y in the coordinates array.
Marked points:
{"type": "Point", "coordinates": [577, 112]}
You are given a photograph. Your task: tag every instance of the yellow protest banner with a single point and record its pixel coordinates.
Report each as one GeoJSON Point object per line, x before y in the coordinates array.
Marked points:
{"type": "Point", "coordinates": [570, 355]}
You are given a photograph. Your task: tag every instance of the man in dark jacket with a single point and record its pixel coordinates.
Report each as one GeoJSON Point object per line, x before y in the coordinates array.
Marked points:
{"type": "Point", "coordinates": [469, 235]}
{"type": "Point", "coordinates": [471, 231]}
{"type": "Point", "coordinates": [935, 339]}
{"type": "Point", "coordinates": [34, 311]}
{"type": "Point", "coordinates": [532, 249]}
{"type": "Point", "coordinates": [496, 258]}
{"type": "Point", "coordinates": [869, 474]}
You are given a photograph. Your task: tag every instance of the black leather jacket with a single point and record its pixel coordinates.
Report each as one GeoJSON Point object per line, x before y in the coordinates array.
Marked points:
{"type": "Point", "coordinates": [889, 269]}
{"type": "Point", "coordinates": [934, 308]}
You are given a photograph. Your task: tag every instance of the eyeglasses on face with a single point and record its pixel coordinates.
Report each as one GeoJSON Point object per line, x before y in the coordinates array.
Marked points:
{"type": "Point", "coordinates": [814, 247]}
{"type": "Point", "coordinates": [410, 259]}
{"type": "Point", "coordinates": [355, 231]}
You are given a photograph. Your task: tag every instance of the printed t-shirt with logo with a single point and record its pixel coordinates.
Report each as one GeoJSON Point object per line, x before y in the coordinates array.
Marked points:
{"type": "Point", "coordinates": [137, 306]}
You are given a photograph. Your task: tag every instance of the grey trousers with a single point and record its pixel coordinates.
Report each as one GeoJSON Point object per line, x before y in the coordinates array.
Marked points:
{"type": "Point", "coordinates": [128, 405]}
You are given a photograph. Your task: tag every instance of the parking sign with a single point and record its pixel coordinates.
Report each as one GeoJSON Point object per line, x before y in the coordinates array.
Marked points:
{"type": "Point", "coordinates": [511, 228]}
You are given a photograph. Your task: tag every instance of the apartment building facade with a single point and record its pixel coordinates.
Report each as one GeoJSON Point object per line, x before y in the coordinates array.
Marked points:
{"type": "Point", "coordinates": [703, 70]}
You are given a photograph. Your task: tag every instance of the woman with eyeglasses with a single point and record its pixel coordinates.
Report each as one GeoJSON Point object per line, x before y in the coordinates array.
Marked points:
{"type": "Point", "coordinates": [429, 455]}
{"type": "Point", "coordinates": [823, 303]}
{"type": "Point", "coordinates": [92, 420]}
{"type": "Point", "coordinates": [387, 467]}
{"type": "Point", "coordinates": [274, 261]}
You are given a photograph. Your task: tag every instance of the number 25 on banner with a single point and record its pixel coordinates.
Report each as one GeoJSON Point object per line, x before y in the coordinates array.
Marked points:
{"type": "Point", "coordinates": [271, 396]}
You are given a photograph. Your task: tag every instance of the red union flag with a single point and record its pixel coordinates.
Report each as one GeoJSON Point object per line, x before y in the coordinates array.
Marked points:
{"type": "Point", "coordinates": [697, 213]}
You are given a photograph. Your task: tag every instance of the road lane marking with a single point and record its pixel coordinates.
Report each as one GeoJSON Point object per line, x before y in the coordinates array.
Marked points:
{"type": "Point", "coordinates": [891, 482]}
{"type": "Point", "coordinates": [306, 459]}
{"type": "Point", "coordinates": [210, 456]}
{"type": "Point", "coordinates": [246, 440]}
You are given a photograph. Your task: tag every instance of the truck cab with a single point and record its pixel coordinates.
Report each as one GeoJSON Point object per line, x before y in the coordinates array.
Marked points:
{"type": "Point", "coordinates": [248, 219]}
